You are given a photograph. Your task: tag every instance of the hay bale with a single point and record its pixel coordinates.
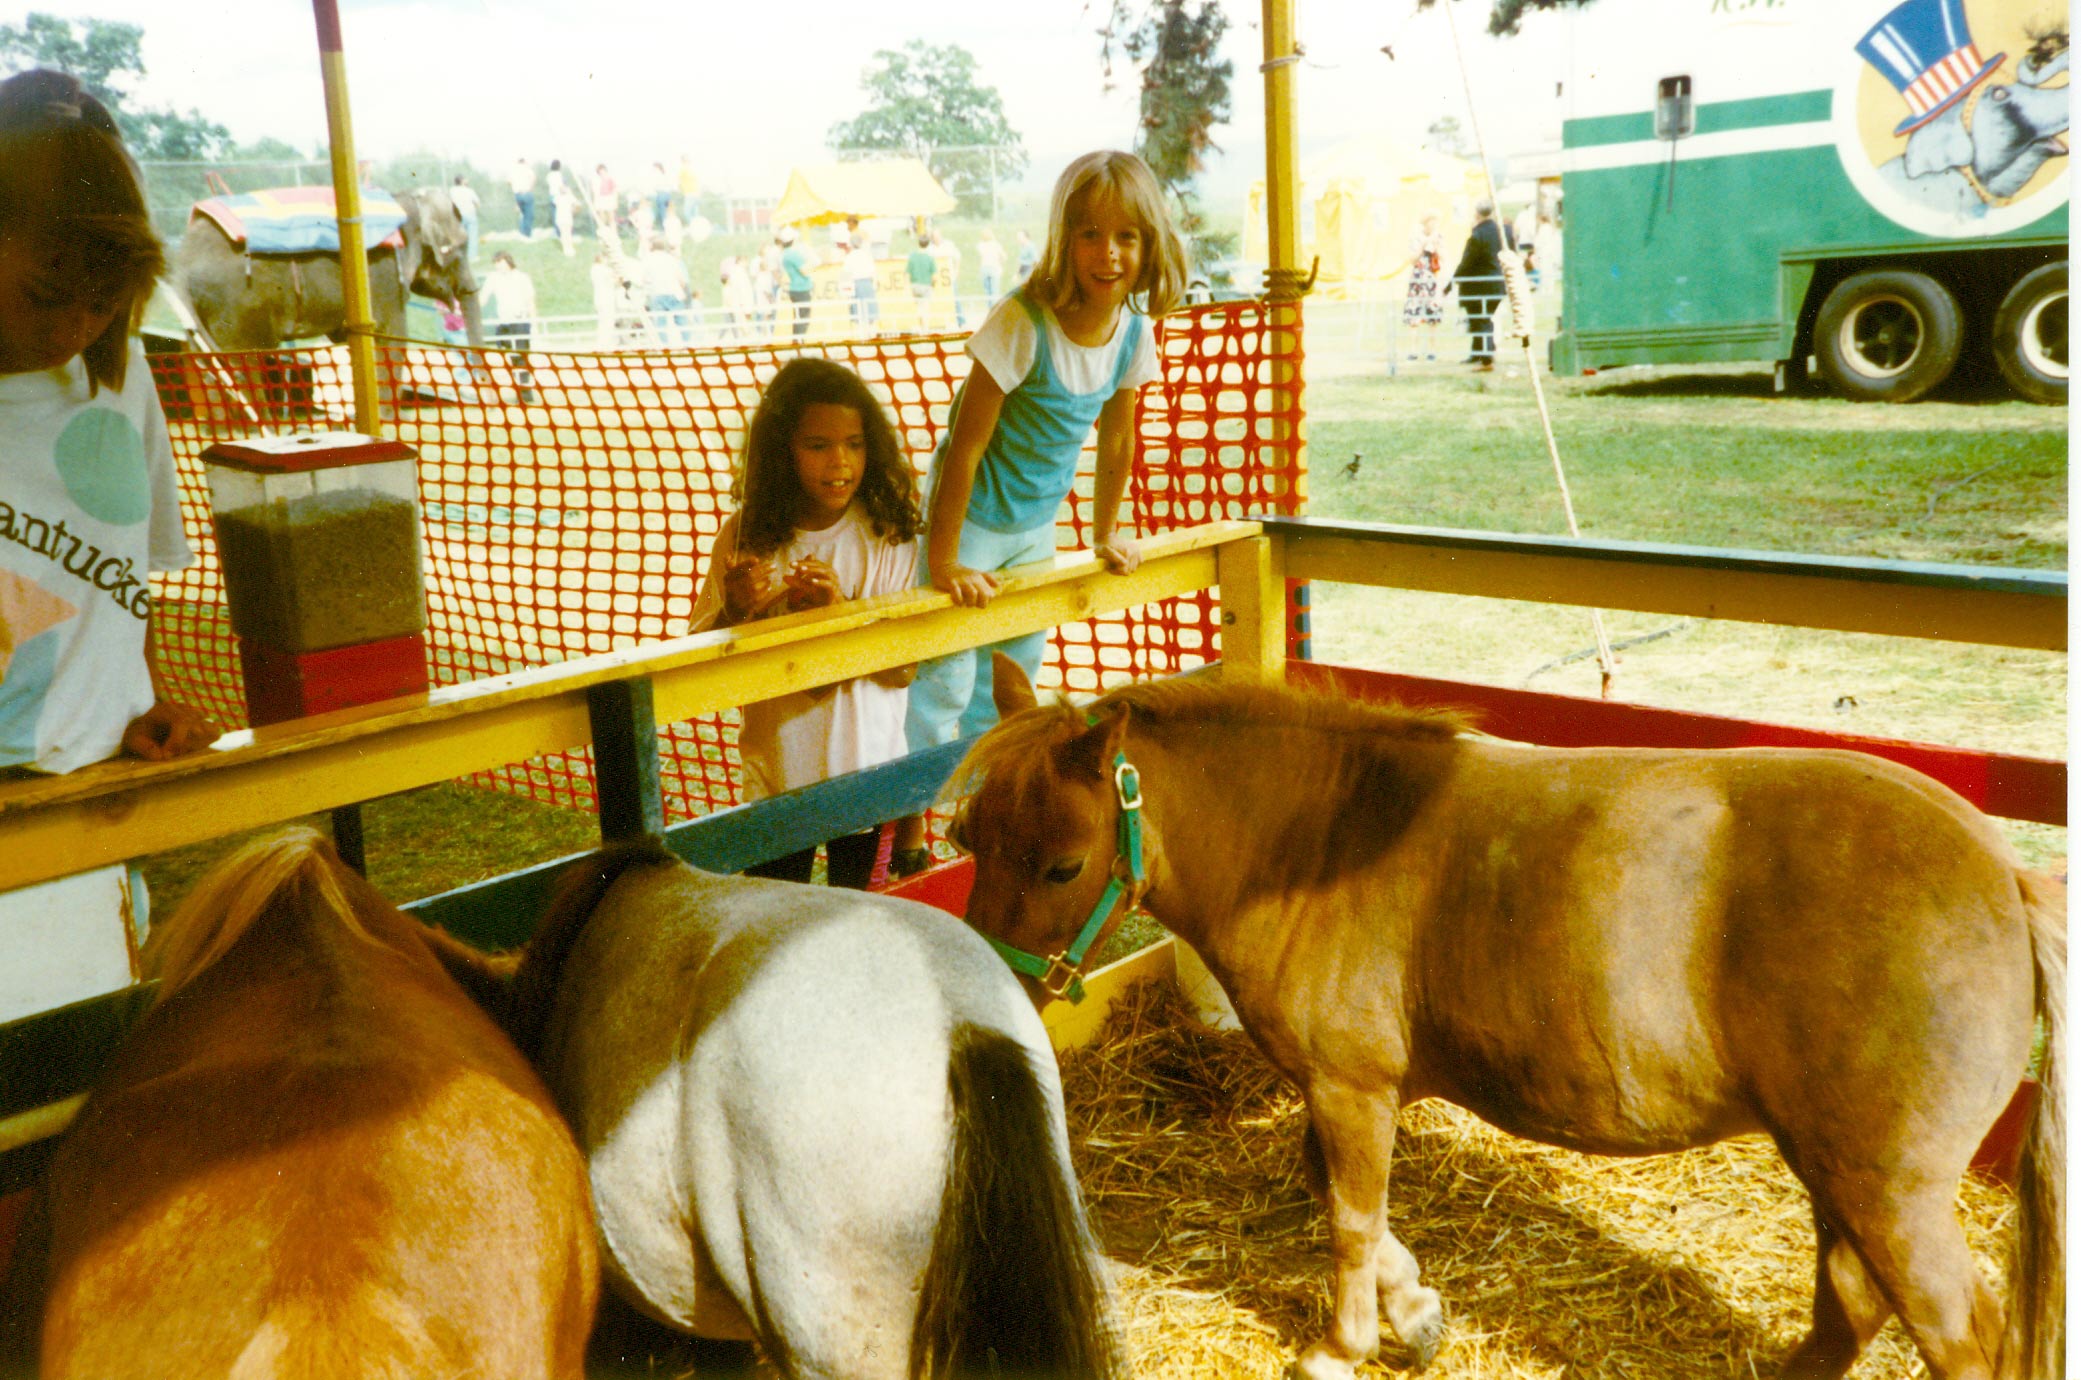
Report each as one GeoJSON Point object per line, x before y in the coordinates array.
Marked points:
{"type": "Point", "coordinates": [1550, 1263]}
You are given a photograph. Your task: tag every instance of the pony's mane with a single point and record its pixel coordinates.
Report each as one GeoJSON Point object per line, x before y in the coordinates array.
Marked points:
{"type": "Point", "coordinates": [234, 896]}
{"type": "Point", "coordinates": [579, 890]}
{"type": "Point", "coordinates": [1015, 755]}
{"type": "Point", "coordinates": [1199, 699]}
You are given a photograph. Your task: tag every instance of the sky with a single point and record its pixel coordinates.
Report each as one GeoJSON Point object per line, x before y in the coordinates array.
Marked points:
{"type": "Point", "coordinates": [750, 90]}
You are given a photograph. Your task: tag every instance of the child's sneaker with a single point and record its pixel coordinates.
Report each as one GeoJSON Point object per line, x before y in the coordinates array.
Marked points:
{"type": "Point", "coordinates": [905, 862]}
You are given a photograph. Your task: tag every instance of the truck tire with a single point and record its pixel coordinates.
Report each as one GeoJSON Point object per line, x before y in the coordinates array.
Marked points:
{"type": "Point", "coordinates": [1889, 335]}
{"type": "Point", "coordinates": [2030, 335]}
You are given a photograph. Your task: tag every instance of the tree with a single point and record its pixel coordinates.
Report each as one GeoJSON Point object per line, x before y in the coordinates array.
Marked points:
{"type": "Point", "coordinates": [925, 102]}
{"type": "Point", "coordinates": [1184, 96]}
{"type": "Point", "coordinates": [1508, 14]}
{"type": "Point", "coordinates": [1446, 135]}
{"type": "Point", "coordinates": [101, 54]}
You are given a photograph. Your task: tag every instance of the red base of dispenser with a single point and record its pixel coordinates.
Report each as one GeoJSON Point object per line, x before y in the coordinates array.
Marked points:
{"type": "Point", "coordinates": [295, 685]}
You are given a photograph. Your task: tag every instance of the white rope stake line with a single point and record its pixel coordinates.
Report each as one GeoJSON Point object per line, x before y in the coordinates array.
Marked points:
{"type": "Point", "coordinates": [1519, 292]}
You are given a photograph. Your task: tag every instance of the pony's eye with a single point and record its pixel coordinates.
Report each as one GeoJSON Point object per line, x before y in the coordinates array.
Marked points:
{"type": "Point", "coordinates": [1065, 871]}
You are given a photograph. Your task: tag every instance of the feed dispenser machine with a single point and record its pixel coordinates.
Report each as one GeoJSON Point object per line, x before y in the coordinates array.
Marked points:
{"type": "Point", "coordinates": [318, 535]}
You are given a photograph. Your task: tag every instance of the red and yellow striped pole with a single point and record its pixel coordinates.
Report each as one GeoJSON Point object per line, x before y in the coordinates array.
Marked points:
{"type": "Point", "coordinates": [346, 187]}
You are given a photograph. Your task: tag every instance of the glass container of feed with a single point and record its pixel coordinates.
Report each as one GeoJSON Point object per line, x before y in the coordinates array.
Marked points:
{"type": "Point", "coordinates": [318, 536]}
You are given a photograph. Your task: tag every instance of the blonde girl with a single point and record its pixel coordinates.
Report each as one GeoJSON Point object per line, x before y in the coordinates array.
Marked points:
{"type": "Point", "coordinates": [1066, 351]}
{"type": "Point", "coordinates": [826, 511]}
{"type": "Point", "coordinates": [88, 511]}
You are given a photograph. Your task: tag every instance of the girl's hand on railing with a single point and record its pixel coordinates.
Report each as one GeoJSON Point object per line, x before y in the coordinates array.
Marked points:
{"type": "Point", "coordinates": [168, 730]}
{"type": "Point", "coordinates": [1121, 553]}
{"type": "Point", "coordinates": [970, 588]}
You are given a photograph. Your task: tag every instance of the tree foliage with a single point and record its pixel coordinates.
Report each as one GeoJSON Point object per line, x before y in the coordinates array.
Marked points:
{"type": "Point", "coordinates": [1185, 94]}
{"type": "Point", "coordinates": [1507, 15]}
{"type": "Point", "coordinates": [104, 55]}
{"type": "Point", "coordinates": [925, 101]}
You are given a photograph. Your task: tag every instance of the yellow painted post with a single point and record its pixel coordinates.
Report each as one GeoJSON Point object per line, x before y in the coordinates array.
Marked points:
{"type": "Point", "coordinates": [1286, 275]}
{"type": "Point", "coordinates": [346, 188]}
{"type": "Point", "coordinates": [1252, 573]}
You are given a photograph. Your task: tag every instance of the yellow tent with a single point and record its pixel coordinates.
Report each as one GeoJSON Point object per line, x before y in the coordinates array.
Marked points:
{"type": "Point", "coordinates": [824, 193]}
{"type": "Point", "coordinates": [1369, 195]}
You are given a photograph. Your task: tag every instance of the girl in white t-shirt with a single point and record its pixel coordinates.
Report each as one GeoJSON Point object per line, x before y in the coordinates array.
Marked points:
{"type": "Point", "coordinates": [88, 511]}
{"type": "Point", "coordinates": [826, 511]}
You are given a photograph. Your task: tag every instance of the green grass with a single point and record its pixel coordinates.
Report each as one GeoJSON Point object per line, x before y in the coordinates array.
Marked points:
{"type": "Point", "coordinates": [1978, 483]}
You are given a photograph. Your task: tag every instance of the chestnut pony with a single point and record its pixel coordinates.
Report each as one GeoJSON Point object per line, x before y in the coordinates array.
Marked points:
{"type": "Point", "coordinates": [820, 1119]}
{"type": "Point", "coordinates": [315, 1156]}
{"type": "Point", "coordinates": [1620, 951]}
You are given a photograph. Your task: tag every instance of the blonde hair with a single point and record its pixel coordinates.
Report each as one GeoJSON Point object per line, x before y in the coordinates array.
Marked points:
{"type": "Point", "coordinates": [70, 189]}
{"type": "Point", "coordinates": [1126, 181]}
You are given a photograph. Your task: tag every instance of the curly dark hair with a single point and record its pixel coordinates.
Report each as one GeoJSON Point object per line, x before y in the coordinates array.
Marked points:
{"type": "Point", "coordinates": [768, 490]}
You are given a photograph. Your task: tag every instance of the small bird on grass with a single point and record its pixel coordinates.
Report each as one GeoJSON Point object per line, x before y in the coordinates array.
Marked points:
{"type": "Point", "coordinates": [1351, 470]}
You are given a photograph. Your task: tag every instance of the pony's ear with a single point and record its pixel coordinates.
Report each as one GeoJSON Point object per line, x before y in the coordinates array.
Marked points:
{"type": "Point", "coordinates": [1091, 752]}
{"type": "Point", "coordinates": [1012, 691]}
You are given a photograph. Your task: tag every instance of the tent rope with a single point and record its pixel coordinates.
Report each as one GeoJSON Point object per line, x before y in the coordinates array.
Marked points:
{"type": "Point", "coordinates": [1519, 293]}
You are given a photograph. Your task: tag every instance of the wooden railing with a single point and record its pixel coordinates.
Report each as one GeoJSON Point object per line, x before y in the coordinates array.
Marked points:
{"type": "Point", "coordinates": [122, 810]}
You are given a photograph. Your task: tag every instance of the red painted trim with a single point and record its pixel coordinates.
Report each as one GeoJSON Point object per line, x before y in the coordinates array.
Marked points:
{"type": "Point", "coordinates": [2029, 788]}
{"type": "Point", "coordinates": [946, 886]}
{"type": "Point", "coordinates": [328, 15]}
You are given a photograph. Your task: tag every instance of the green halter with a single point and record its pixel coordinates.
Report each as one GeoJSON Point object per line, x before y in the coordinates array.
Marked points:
{"type": "Point", "coordinates": [1061, 975]}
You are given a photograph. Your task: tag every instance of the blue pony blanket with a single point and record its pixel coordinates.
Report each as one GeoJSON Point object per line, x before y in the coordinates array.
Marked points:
{"type": "Point", "coordinates": [300, 220]}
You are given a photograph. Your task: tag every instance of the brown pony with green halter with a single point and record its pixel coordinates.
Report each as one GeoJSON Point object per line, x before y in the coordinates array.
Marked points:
{"type": "Point", "coordinates": [1620, 951]}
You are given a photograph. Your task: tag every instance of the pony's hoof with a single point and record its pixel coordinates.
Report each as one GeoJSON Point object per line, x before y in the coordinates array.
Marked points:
{"type": "Point", "coordinates": [1419, 1320]}
{"type": "Point", "coordinates": [1318, 1362]}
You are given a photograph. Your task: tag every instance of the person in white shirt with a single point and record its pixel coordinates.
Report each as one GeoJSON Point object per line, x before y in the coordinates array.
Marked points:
{"type": "Point", "coordinates": [989, 257]}
{"type": "Point", "coordinates": [858, 270]}
{"type": "Point", "coordinates": [827, 511]}
{"type": "Point", "coordinates": [91, 511]}
{"type": "Point", "coordinates": [465, 198]}
{"type": "Point", "coordinates": [522, 181]}
{"type": "Point", "coordinates": [665, 289]}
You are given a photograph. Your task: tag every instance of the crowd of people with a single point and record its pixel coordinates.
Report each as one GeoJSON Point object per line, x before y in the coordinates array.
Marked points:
{"type": "Point", "coordinates": [1477, 280]}
{"type": "Point", "coordinates": [643, 292]}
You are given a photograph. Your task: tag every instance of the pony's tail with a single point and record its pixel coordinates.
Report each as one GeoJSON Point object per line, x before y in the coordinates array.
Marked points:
{"type": "Point", "coordinates": [235, 894]}
{"type": "Point", "coordinates": [1014, 1286]}
{"type": "Point", "coordinates": [578, 893]}
{"type": "Point", "coordinates": [2034, 1344]}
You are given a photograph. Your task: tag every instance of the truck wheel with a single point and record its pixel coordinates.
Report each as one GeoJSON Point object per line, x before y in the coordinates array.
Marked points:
{"type": "Point", "coordinates": [2030, 335]}
{"type": "Point", "coordinates": [1889, 335]}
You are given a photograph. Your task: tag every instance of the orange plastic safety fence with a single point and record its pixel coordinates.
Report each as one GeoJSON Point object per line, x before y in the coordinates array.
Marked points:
{"type": "Point", "coordinates": [570, 499]}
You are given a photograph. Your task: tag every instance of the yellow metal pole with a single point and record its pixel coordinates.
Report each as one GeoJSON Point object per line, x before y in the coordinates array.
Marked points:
{"type": "Point", "coordinates": [346, 189]}
{"type": "Point", "coordinates": [1285, 280]}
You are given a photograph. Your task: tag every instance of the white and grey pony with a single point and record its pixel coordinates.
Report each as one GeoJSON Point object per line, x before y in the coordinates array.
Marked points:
{"type": "Point", "coordinates": [823, 1120]}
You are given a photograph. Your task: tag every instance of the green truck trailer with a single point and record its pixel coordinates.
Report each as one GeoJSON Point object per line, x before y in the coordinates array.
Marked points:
{"type": "Point", "coordinates": [1872, 191]}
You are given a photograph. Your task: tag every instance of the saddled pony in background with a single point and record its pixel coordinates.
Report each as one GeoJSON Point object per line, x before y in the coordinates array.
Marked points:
{"type": "Point", "coordinates": [824, 1120]}
{"type": "Point", "coordinates": [1619, 951]}
{"type": "Point", "coordinates": [315, 1156]}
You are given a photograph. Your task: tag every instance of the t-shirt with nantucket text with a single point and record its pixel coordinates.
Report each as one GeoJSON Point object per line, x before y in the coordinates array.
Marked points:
{"type": "Point", "coordinates": [89, 508]}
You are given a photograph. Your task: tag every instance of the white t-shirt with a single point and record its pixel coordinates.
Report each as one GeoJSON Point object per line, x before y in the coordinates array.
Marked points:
{"type": "Point", "coordinates": [1005, 344]}
{"type": "Point", "coordinates": [859, 262]}
{"type": "Point", "coordinates": [465, 198]}
{"type": "Point", "coordinates": [89, 508]}
{"type": "Point", "coordinates": [812, 736]}
{"type": "Point", "coordinates": [509, 295]}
